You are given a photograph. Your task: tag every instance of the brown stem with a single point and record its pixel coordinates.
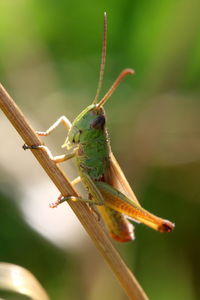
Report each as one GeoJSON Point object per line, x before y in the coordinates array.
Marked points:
{"type": "Point", "coordinates": [87, 219]}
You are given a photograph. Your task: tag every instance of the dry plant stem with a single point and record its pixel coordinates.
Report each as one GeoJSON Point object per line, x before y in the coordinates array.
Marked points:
{"type": "Point", "coordinates": [88, 220]}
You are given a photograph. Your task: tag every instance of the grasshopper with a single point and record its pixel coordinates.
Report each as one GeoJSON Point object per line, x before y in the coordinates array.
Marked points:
{"type": "Point", "coordinates": [99, 172]}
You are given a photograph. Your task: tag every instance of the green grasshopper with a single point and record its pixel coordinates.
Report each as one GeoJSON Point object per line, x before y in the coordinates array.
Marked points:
{"type": "Point", "coordinates": [98, 169]}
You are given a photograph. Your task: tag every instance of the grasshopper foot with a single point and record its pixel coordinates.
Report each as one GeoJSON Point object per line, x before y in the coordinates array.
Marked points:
{"type": "Point", "coordinates": [25, 147]}
{"type": "Point", "coordinates": [57, 202]}
{"type": "Point", "coordinates": [41, 133]}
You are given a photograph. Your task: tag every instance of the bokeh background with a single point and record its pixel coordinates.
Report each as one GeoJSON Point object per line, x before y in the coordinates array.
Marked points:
{"type": "Point", "coordinates": [49, 62]}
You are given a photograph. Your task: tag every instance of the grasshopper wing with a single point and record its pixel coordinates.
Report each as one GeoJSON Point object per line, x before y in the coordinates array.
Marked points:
{"type": "Point", "coordinates": [117, 179]}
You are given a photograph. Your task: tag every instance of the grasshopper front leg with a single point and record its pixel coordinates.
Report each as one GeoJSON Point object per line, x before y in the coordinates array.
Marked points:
{"type": "Point", "coordinates": [62, 120]}
{"type": "Point", "coordinates": [59, 158]}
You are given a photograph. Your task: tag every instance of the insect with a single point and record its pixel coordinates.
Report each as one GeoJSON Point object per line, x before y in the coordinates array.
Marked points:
{"type": "Point", "coordinates": [98, 169]}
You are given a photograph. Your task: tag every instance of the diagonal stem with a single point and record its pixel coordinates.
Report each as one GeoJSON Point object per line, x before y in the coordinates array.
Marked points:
{"type": "Point", "coordinates": [87, 219]}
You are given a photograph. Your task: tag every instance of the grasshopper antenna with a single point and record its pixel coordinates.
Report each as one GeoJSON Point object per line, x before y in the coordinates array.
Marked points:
{"type": "Point", "coordinates": [115, 85]}
{"type": "Point", "coordinates": [103, 59]}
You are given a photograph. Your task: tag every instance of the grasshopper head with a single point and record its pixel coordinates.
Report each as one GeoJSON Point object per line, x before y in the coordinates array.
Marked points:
{"type": "Point", "coordinates": [88, 123]}
{"type": "Point", "coordinates": [91, 120]}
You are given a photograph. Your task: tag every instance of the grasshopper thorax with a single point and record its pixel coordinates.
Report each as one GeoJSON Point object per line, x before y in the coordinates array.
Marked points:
{"type": "Point", "coordinates": [90, 122]}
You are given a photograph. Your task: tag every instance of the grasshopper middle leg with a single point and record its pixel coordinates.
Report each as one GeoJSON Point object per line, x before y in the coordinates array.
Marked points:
{"type": "Point", "coordinates": [56, 159]}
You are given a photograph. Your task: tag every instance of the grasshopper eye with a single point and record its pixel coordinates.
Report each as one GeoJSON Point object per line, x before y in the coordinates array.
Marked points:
{"type": "Point", "coordinates": [99, 122]}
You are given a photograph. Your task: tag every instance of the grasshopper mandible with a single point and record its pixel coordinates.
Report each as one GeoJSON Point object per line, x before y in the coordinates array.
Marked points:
{"type": "Point", "coordinates": [98, 169]}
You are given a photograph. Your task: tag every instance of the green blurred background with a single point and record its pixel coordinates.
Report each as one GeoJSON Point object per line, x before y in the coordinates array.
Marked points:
{"type": "Point", "coordinates": [49, 62]}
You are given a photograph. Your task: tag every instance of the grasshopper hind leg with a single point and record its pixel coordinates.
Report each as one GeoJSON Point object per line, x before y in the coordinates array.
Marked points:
{"type": "Point", "coordinates": [119, 202]}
